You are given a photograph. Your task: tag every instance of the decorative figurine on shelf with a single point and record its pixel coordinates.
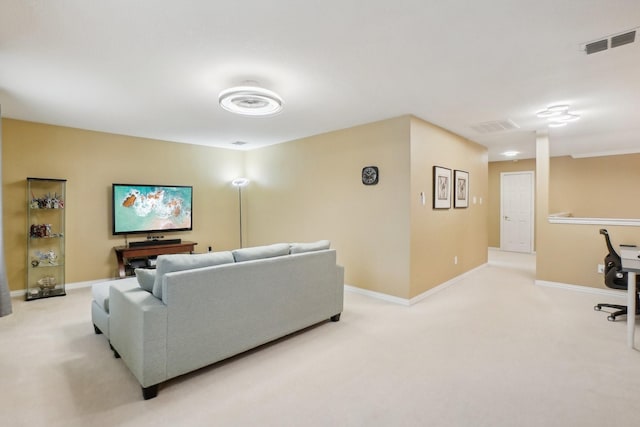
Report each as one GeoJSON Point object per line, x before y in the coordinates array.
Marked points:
{"type": "Point", "coordinates": [47, 202]}
{"type": "Point", "coordinates": [42, 231]}
{"type": "Point", "coordinates": [52, 257]}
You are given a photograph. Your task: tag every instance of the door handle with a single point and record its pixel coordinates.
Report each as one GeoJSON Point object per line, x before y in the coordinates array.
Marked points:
{"type": "Point", "coordinates": [506, 218]}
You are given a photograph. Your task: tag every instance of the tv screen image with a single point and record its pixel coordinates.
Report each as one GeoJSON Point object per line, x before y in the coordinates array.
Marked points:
{"type": "Point", "coordinates": [151, 208]}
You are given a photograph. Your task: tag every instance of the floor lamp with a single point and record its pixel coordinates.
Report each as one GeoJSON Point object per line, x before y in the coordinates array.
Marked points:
{"type": "Point", "coordinates": [240, 182]}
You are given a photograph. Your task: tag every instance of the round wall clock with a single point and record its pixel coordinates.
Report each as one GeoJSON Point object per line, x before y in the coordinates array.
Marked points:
{"type": "Point", "coordinates": [370, 175]}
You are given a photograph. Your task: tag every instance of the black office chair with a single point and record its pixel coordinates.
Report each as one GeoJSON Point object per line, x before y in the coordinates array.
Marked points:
{"type": "Point", "coordinates": [615, 278]}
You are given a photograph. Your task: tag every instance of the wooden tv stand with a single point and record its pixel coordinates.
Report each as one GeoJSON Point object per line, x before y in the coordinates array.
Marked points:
{"type": "Point", "coordinates": [124, 252]}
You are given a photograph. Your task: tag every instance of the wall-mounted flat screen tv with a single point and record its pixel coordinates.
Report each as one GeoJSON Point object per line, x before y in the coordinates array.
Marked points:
{"type": "Point", "coordinates": [151, 208]}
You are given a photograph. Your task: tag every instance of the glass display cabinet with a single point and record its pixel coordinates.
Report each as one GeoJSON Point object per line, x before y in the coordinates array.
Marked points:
{"type": "Point", "coordinates": [45, 237]}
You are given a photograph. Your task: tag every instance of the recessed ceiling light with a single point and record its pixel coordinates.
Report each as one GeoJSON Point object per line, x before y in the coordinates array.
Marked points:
{"type": "Point", "coordinates": [510, 153]}
{"type": "Point", "coordinates": [250, 101]}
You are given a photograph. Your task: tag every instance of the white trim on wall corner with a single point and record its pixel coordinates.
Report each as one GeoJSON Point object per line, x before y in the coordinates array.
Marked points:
{"type": "Point", "coordinates": [585, 289]}
{"type": "Point", "coordinates": [605, 153]}
{"type": "Point", "coordinates": [414, 300]}
{"type": "Point", "coordinates": [632, 222]}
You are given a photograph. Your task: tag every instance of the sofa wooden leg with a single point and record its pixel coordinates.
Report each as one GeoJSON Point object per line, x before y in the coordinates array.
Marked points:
{"type": "Point", "coordinates": [336, 318]}
{"type": "Point", "coordinates": [150, 392]}
{"type": "Point", "coordinates": [97, 330]}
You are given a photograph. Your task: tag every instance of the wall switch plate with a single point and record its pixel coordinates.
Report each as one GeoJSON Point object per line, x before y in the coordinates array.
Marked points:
{"type": "Point", "coordinates": [601, 268]}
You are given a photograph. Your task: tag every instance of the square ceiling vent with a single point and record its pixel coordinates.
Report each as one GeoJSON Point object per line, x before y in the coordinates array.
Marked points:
{"type": "Point", "coordinates": [495, 126]}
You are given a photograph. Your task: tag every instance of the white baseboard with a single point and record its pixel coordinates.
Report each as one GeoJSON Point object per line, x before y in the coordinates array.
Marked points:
{"type": "Point", "coordinates": [585, 289]}
{"type": "Point", "coordinates": [493, 248]}
{"type": "Point", "coordinates": [409, 302]}
{"type": "Point", "coordinates": [68, 286]}
{"type": "Point", "coordinates": [376, 295]}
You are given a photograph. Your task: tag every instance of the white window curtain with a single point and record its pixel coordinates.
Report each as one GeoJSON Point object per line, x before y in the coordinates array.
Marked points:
{"type": "Point", "coordinates": [5, 295]}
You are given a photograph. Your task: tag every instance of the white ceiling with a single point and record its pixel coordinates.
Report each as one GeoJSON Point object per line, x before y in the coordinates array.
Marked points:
{"type": "Point", "coordinates": [154, 68]}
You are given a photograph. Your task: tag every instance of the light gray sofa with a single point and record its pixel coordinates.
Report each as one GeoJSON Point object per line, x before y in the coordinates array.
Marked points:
{"type": "Point", "coordinates": [194, 317]}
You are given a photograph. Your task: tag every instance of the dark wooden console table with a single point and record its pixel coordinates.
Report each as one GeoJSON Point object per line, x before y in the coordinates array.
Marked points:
{"type": "Point", "coordinates": [125, 252]}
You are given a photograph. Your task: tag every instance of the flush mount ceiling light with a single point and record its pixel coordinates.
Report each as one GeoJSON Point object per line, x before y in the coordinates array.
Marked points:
{"type": "Point", "coordinates": [558, 115]}
{"type": "Point", "coordinates": [553, 110]}
{"type": "Point", "coordinates": [557, 124]}
{"type": "Point", "coordinates": [250, 101]}
{"type": "Point", "coordinates": [568, 117]}
{"type": "Point", "coordinates": [510, 153]}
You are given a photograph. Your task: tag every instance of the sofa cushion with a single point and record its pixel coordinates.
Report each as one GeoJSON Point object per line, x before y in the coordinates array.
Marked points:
{"type": "Point", "coordinates": [299, 248]}
{"type": "Point", "coordinates": [261, 252]}
{"type": "Point", "coordinates": [179, 262]}
{"type": "Point", "coordinates": [146, 278]}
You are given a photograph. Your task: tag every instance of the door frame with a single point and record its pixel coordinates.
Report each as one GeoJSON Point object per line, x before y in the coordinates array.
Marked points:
{"type": "Point", "coordinates": [531, 213]}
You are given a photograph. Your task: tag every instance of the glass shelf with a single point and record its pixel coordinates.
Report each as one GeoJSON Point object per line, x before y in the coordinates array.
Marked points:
{"type": "Point", "coordinates": [45, 238]}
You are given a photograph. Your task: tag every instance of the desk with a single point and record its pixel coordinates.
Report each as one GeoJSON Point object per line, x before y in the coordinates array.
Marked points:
{"type": "Point", "coordinates": [631, 267]}
{"type": "Point", "coordinates": [125, 252]}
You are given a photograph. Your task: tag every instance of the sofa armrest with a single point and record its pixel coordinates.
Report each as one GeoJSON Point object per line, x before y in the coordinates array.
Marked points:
{"type": "Point", "coordinates": [138, 332]}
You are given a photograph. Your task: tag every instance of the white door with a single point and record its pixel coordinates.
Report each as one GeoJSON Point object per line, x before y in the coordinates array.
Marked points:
{"type": "Point", "coordinates": [516, 209]}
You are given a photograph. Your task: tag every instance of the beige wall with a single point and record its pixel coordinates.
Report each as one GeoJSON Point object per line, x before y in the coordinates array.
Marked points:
{"type": "Point", "coordinates": [439, 235]}
{"type": "Point", "coordinates": [311, 189]}
{"type": "Point", "coordinates": [302, 190]}
{"type": "Point", "coordinates": [596, 187]}
{"type": "Point", "coordinates": [570, 253]}
{"type": "Point", "coordinates": [91, 162]}
{"type": "Point", "coordinates": [495, 169]}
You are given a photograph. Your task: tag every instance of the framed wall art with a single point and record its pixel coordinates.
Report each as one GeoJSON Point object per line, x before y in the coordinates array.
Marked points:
{"type": "Point", "coordinates": [441, 188]}
{"type": "Point", "coordinates": [460, 189]}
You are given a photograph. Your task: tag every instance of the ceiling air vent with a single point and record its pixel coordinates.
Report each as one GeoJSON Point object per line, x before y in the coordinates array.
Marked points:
{"type": "Point", "coordinates": [239, 143]}
{"type": "Point", "coordinates": [610, 41]}
{"type": "Point", "coordinates": [495, 126]}
{"type": "Point", "coordinates": [623, 39]}
{"type": "Point", "coordinates": [595, 47]}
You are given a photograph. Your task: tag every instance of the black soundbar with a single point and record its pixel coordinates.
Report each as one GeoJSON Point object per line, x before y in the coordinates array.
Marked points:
{"type": "Point", "coordinates": [154, 243]}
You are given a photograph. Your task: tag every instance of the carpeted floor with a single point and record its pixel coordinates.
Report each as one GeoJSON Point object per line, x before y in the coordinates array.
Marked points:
{"type": "Point", "coordinates": [491, 350]}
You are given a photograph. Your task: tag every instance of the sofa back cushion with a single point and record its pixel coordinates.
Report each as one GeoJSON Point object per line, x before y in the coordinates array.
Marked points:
{"type": "Point", "coordinates": [299, 248]}
{"type": "Point", "coordinates": [179, 262]}
{"type": "Point", "coordinates": [261, 252]}
{"type": "Point", "coordinates": [146, 278]}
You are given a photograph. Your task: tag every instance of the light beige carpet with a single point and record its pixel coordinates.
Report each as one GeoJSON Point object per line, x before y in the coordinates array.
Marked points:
{"type": "Point", "coordinates": [492, 350]}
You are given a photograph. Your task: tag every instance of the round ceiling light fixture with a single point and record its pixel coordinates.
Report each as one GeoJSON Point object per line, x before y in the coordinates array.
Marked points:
{"type": "Point", "coordinates": [250, 101]}
{"type": "Point", "coordinates": [558, 115]}
{"type": "Point", "coordinates": [553, 110]}
{"type": "Point", "coordinates": [557, 124]}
